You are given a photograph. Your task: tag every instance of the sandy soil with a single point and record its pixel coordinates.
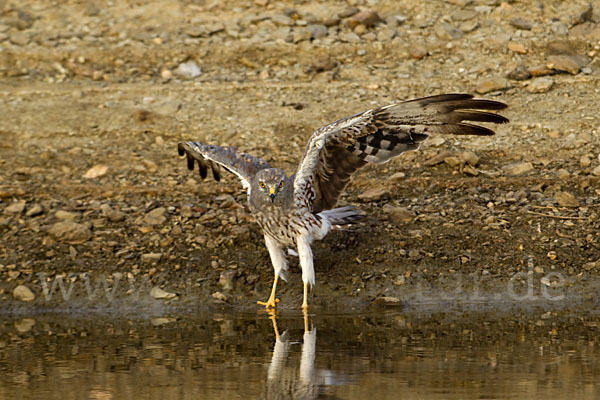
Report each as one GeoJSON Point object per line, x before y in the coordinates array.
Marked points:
{"type": "Point", "coordinates": [94, 100]}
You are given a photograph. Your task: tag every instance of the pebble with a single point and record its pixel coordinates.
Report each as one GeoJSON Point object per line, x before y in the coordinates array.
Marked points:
{"type": "Point", "coordinates": [150, 257]}
{"type": "Point", "coordinates": [596, 171]}
{"type": "Point", "coordinates": [374, 194]}
{"type": "Point", "coordinates": [219, 296]}
{"type": "Point", "coordinates": [518, 48]}
{"type": "Point", "coordinates": [387, 301]}
{"type": "Point", "coordinates": [188, 70]}
{"type": "Point", "coordinates": [23, 293]}
{"type": "Point", "coordinates": [565, 199]}
{"type": "Point", "coordinates": [156, 216]}
{"type": "Point", "coordinates": [470, 158]}
{"type": "Point", "coordinates": [445, 31]}
{"type": "Point", "coordinates": [540, 85]}
{"type": "Point", "coordinates": [417, 52]}
{"type": "Point", "coordinates": [162, 321]}
{"type": "Point", "coordinates": [348, 12]}
{"type": "Point", "coordinates": [368, 18]}
{"type": "Point", "coordinates": [70, 232]}
{"type": "Point", "coordinates": [34, 210]}
{"type": "Point", "coordinates": [15, 208]}
{"type": "Point", "coordinates": [317, 31]}
{"type": "Point", "coordinates": [438, 158]}
{"type": "Point", "coordinates": [66, 215]}
{"type": "Point", "coordinates": [160, 294]}
{"type": "Point", "coordinates": [24, 325]}
{"type": "Point", "coordinates": [282, 20]}
{"type": "Point", "coordinates": [399, 215]}
{"type": "Point", "coordinates": [226, 279]}
{"type": "Point", "coordinates": [19, 38]}
{"type": "Point", "coordinates": [96, 171]}
{"type": "Point", "coordinates": [518, 168]}
{"type": "Point", "coordinates": [521, 23]}
{"type": "Point", "coordinates": [349, 37]}
{"type": "Point", "coordinates": [585, 161]}
{"type": "Point", "coordinates": [541, 70]}
{"type": "Point", "coordinates": [520, 73]}
{"type": "Point", "coordinates": [492, 85]}
{"type": "Point", "coordinates": [563, 174]}
{"type": "Point", "coordinates": [464, 15]}
{"type": "Point", "coordinates": [567, 63]}
{"type": "Point", "coordinates": [386, 34]}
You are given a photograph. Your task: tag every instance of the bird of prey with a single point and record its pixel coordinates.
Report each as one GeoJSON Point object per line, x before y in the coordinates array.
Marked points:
{"type": "Point", "coordinates": [298, 209]}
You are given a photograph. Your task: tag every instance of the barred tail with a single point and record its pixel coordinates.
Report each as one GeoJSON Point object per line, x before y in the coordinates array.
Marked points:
{"type": "Point", "coordinates": [342, 217]}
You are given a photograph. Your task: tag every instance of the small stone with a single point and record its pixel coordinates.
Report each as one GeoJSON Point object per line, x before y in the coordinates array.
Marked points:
{"type": "Point", "coordinates": [15, 208]}
{"type": "Point", "coordinates": [162, 321]}
{"type": "Point", "coordinates": [394, 21]}
{"type": "Point", "coordinates": [417, 51]}
{"type": "Point", "coordinates": [226, 279]}
{"type": "Point", "coordinates": [445, 31]}
{"type": "Point", "coordinates": [540, 85]}
{"type": "Point", "coordinates": [219, 296]}
{"type": "Point", "coordinates": [24, 325]}
{"type": "Point", "coordinates": [518, 168]}
{"type": "Point", "coordinates": [520, 73]}
{"type": "Point", "coordinates": [565, 199]}
{"type": "Point", "coordinates": [557, 47]}
{"type": "Point", "coordinates": [156, 216]}
{"type": "Point", "coordinates": [552, 255]}
{"type": "Point", "coordinates": [541, 70]}
{"type": "Point", "coordinates": [374, 194]}
{"type": "Point", "coordinates": [19, 38]}
{"type": "Point", "coordinates": [300, 35]}
{"type": "Point", "coordinates": [492, 85]}
{"type": "Point", "coordinates": [399, 281]}
{"type": "Point", "coordinates": [188, 70]}
{"type": "Point", "coordinates": [437, 141]}
{"type": "Point", "coordinates": [470, 158]}
{"type": "Point", "coordinates": [563, 174]}
{"type": "Point", "coordinates": [349, 37]}
{"type": "Point", "coordinates": [317, 31]}
{"type": "Point", "coordinates": [567, 63]}
{"type": "Point", "coordinates": [464, 15]}
{"type": "Point", "coordinates": [66, 215]}
{"type": "Point", "coordinates": [348, 12]}
{"type": "Point", "coordinates": [70, 232]}
{"type": "Point", "coordinates": [386, 34]}
{"type": "Point", "coordinates": [521, 23]}
{"type": "Point", "coordinates": [438, 159]}
{"type": "Point", "coordinates": [34, 210]}
{"type": "Point", "coordinates": [518, 48]}
{"type": "Point", "coordinates": [150, 257]}
{"type": "Point", "coordinates": [323, 64]}
{"type": "Point", "coordinates": [160, 294]}
{"type": "Point", "coordinates": [387, 301]}
{"type": "Point", "coordinates": [538, 270]}
{"type": "Point", "coordinates": [96, 171]}
{"type": "Point", "coordinates": [399, 215]}
{"type": "Point", "coordinates": [115, 215]}
{"type": "Point", "coordinates": [368, 18]}
{"type": "Point", "coordinates": [360, 29]}
{"type": "Point", "coordinates": [596, 171]}
{"type": "Point", "coordinates": [23, 293]}
{"type": "Point", "coordinates": [584, 14]}
{"type": "Point", "coordinates": [452, 161]}
{"type": "Point", "coordinates": [585, 161]}
{"type": "Point", "coordinates": [282, 20]}
{"type": "Point", "coordinates": [398, 176]}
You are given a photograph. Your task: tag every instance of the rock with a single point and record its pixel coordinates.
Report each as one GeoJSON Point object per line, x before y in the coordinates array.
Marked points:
{"type": "Point", "coordinates": [518, 168]}
{"type": "Point", "coordinates": [521, 23]}
{"type": "Point", "coordinates": [565, 199]}
{"type": "Point", "coordinates": [188, 70]}
{"type": "Point", "coordinates": [160, 294]}
{"type": "Point", "coordinates": [301, 34]}
{"type": "Point", "coordinates": [96, 171]}
{"type": "Point", "coordinates": [541, 70]}
{"type": "Point", "coordinates": [563, 174]}
{"type": "Point", "coordinates": [399, 215]}
{"type": "Point", "coordinates": [437, 141]}
{"type": "Point", "coordinates": [19, 38]}
{"type": "Point", "coordinates": [15, 208]}
{"type": "Point", "coordinates": [24, 325]}
{"type": "Point", "coordinates": [226, 279]}
{"type": "Point", "coordinates": [151, 257]}
{"type": "Point", "coordinates": [520, 73]}
{"type": "Point", "coordinates": [282, 20]}
{"type": "Point", "coordinates": [398, 176]}
{"type": "Point", "coordinates": [438, 159]}
{"type": "Point", "coordinates": [349, 37]}
{"type": "Point", "coordinates": [567, 63]}
{"type": "Point", "coordinates": [417, 51]}
{"type": "Point", "coordinates": [445, 31]}
{"type": "Point", "coordinates": [348, 12]}
{"type": "Point", "coordinates": [452, 161]}
{"type": "Point", "coordinates": [387, 301]}
{"type": "Point", "coordinates": [400, 280]}
{"type": "Point", "coordinates": [585, 161]}
{"type": "Point", "coordinates": [468, 26]}
{"type": "Point", "coordinates": [596, 171]}
{"type": "Point", "coordinates": [323, 64]}
{"type": "Point", "coordinates": [70, 232]}
{"type": "Point", "coordinates": [386, 34]}
{"type": "Point", "coordinates": [394, 21]}
{"type": "Point", "coordinates": [368, 18]}
{"type": "Point", "coordinates": [374, 194]}
{"type": "Point", "coordinates": [464, 15]}
{"type": "Point", "coordinates": [317, 31]}
{"type": "Point", "coordinates": [556, 47]}
{"type": "Point", "coordinates": [111, 214]}
{"type": "Point", "coordinates": [219, 296]}
{"type": "Point", "coordinates": [540, 85]}
{"type": "Point", "coordinates": [492, 85]}
{"type": "Point", "coordinates": [162, 321]}
{"type": "Point", "coordinates": [66, 215]}
{"type": "Point", "coordinates": [23, 293]}
{"type": "Point", "coordinates": [518, 48]}
{"type": "Point", "coordinates": [156, 216]}
{"type": "Point", "coordinates": [34, 210]}
{"type": "Point", "coordinates": [582, 15]}
{"type": "Point", "coordinates": [470, 158]}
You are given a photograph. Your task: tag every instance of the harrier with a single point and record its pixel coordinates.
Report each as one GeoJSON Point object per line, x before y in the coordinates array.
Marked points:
{"type": "Point", "coordinates": [298, 209]}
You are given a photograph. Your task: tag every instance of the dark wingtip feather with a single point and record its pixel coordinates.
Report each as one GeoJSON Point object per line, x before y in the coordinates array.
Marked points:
{"type": "Point", "coordinates": [180, 149]}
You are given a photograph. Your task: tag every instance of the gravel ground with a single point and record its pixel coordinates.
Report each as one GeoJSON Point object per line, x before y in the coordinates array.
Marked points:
{"type": "Point", "coordinates": [94, 98]}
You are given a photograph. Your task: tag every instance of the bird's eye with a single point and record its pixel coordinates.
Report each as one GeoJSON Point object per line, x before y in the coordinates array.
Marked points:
{"type": "Point", "coordinates": [281, 184]}
{"type": "Point", "coordinates": [262, 185]}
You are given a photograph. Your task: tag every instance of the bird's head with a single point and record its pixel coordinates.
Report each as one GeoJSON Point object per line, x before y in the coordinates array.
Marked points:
{"type": "Point", "coordinates": [271, 185]}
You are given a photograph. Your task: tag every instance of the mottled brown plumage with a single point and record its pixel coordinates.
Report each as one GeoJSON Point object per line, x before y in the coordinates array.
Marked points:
{"type": "Point", "coordinates": [295, 210]}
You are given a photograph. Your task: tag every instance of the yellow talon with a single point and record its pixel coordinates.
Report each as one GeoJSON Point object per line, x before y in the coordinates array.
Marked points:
{"type": "Point", "coordinates": [271, 303]}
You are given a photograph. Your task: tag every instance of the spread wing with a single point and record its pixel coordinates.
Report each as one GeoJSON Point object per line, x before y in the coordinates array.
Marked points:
{"type": "Point", "coordinates": [212, 157]}
{"type": "Point", "coordinates": [335, 151]}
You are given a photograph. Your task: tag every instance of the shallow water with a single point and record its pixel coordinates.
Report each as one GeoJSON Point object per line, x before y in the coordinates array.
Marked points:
{"type": "Point", "coordinates": [380, 354]}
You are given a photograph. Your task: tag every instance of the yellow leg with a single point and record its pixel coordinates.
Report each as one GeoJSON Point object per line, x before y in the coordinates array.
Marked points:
{"type": "Point", "coordinates": [305, 313]}
{"type": "Point", "coordinates": [272, 302]}
{"type": "Point", "coordinates": [305, 302]}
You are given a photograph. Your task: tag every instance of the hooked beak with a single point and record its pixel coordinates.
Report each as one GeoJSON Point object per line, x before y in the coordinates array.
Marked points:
{"type": "Point", "coordinates": [272, 193]}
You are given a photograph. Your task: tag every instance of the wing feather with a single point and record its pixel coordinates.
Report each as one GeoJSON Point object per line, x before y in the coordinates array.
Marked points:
{"type": "Point", "coordinates": [243, 165]}
{"type": "Point", "coordinates": [335, 151]}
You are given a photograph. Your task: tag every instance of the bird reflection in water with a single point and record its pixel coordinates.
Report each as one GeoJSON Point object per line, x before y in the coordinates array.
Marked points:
{"type": "Point", "coordinates": [287, 379]}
